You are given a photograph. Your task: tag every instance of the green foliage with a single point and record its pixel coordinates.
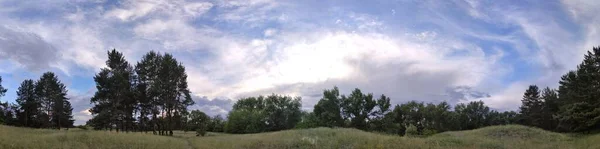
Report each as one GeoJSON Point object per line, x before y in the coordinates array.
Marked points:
{"type": "Point", "coordinates": [199, 122]}
{"type": "Point", "coordinates": [574, 107]}
{"type": "Point", "coordinates": [309, 120]}
{"type": "Point", "coordinates": [114, 96]}
{"type": "Point", "coordinates": [531, 109]}
{"type": "Point", "coordinates": [328, 109]}
{"type": "Point", "coordinates": [245, 121]}
{"type": "Point", "coordinates": [56, 108]}
{"type": "Point", "coordinates": [217, 124]}
{"type": "Point", "coordinates": [29, 105]}
{"type": "Point", "coordinates": [2, 89]}
{"type": "Point", "coordinates": [259, 114]}
{"type": "Point", "coordinates": [357, 108]}
{"type": "Point", "coordinates": [473, 115]}
{"type": "Point", "coordinates": [412, 130]}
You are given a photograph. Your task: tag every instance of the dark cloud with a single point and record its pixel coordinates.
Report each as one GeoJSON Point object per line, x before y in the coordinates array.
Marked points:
{"type": "Point", "coordinates": [28, 49]}
{"type": "Point", "coordinates": [462, 93]}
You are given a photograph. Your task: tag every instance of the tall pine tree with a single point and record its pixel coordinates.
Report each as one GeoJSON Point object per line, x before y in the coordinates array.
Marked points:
{"type": "Point", "coordinates": [549, 109]}
{"type": "Point", "coordinates": [52, 94]}
{"type": "Point", "coordinates": [114, 97]}
{"type": "Point", "coordinates": [531, 107]}
{"type": "Point", "coordinates": [29, 105]}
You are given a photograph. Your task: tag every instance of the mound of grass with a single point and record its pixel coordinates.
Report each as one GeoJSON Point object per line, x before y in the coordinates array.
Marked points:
{"type": "Point", "coordinates": [498, 137]}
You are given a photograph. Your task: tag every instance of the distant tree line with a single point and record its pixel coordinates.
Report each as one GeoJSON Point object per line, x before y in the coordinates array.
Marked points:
{"type": "Point", "coordinates": [360, 111]}
{"type": "Point", "coordinates": [40, 104]}
{"type": "Point", "coordinates": [574, 107]}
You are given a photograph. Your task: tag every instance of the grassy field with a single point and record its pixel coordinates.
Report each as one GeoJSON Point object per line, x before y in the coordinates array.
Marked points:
{"type": "Point", "coordinates": [496, 137]}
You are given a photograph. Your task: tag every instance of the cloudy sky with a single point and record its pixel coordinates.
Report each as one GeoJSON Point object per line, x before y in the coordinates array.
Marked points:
{"type": "Point", "coordinates": [432, 51]}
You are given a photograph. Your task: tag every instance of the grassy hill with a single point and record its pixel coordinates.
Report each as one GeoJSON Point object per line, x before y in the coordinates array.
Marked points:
{"type": "Point", "coordinates": [496, 137]}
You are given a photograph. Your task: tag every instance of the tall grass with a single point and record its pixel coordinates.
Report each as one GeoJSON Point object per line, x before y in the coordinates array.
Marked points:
{"type": "Point", "coordinates": [26, 138]}
{"type": "Point", "coordinates": [496, 137]}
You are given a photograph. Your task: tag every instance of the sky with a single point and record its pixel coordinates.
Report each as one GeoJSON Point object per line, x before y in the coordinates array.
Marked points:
{"type": "Point", "coordinates": [423, 50]}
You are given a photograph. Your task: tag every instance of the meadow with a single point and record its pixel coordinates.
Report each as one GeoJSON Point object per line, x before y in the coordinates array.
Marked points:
{"type": "Point", "coordinates": [494, 137]}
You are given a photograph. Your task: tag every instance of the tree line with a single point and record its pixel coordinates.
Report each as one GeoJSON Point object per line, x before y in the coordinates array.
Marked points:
{"type": "Point", "coordinates": [361, 111]}
{"type": "Point", "coordinates": [39, 104]}
{"type": "Point", "coordinates": [574, 106]}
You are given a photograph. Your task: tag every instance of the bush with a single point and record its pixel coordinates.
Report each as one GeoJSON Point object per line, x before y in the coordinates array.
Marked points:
{"type": "Point", "coordinates": [200, 132]}
{"type": "Point", "coordinates": [411, 131]}
{"type": "Point", "coordinates": [82, 127]}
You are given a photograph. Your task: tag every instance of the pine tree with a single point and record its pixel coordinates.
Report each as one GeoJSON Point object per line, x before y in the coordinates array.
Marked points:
{"type": "Point", "coordinates": [549, 109]}
{"type": "Point", "coordinates": [102, 105]}
{"type": "Point", "coordinates": [29, 104]}
{"type": "Point", "coordinates": [531, 107]}
{"type": "Point", "coordinates": [2, 89]}
{"type": "Point", "coordinates": [52, 94]}
{"type": "Point", "coordinates": [578, 95]}
{"type": "Point", "coordinates": [147, 90]}
{"type": "Point", "coordinates": [2, 93]}
{"type": "Point", "coordinates": [114, 94]}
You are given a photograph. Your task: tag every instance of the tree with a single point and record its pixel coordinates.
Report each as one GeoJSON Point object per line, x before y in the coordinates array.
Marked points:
{"type": "Point", "coordinates": [413, 114]}
{"type": "Point", "coordinates": [173, 89]}
{"type": "Point", "coordinates": [217, 124]}
{"type": "Point", "coordinates": [393, 122]}
{"type": "Point", "coordinates": [283, 112]}
{"type": "Point", "coordinates": [52, 94]}
{"type": "Point", "coordinates": [308, 120]}
{"type": "Point", "coordinates": [473, 115]}
{"type": "Point", "coordinates": [377, 120]}
{"type": "Point", "coordinates": [148, 89]}
{"type": "Point", "coordinates": [357, 108]}
{"type": "Point", "coordinates": [531, 109]}
{"type": "Point", "coordinates": [259, 114]}
{"type": "Point", "coordinates": [29, 105]}
{"type": "Point", "coordinates": [549, 108]}
{"type": "Point", "coordinates": [114, 93]}
{"type": "Point", "coordinates": [2, 89]}
{"type": "Point", "coordinates": [328, 109]}
{"type": "Point", "coordinates": [3, 106]}
{"type": "Point", "coordinates": [198, 121]}
{"type": "Point", "coordinates": [578, 92]}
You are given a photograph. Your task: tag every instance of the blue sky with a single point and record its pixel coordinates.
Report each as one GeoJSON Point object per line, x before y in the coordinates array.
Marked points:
{"type": "Point", "coordinates": [432, 51]}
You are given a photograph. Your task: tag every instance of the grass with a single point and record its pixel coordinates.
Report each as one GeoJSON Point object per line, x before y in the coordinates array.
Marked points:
{"type": "Point", "coordinates": [496, 137]}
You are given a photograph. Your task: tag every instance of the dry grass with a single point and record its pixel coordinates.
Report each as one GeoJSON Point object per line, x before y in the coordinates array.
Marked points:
{"type": "Point", "coordinates": [497, 137]}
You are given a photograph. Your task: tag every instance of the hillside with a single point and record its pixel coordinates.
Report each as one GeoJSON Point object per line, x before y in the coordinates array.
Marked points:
{"type": "Point", "coordinates": [511, 136]}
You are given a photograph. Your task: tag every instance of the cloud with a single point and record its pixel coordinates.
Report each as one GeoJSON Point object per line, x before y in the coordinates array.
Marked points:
{"type": "Point", "coordinates": [81, 105]}
{"type": "Point", "coordinates": [251, 12]}
{"type": "Point", "coordinates": [26, 48]}
{"type": "Point", "coordinates": [131, 10]}
{"type": "Point", "coordinates": [452, 51]}
{"type": "Point", "coordinates": [212, 107]}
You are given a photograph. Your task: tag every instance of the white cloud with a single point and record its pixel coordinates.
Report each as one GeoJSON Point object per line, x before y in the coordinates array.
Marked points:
{"type": "Point", "coordinates": [134, 9]}
{"type": "Point", "coordinates": [270, 32]}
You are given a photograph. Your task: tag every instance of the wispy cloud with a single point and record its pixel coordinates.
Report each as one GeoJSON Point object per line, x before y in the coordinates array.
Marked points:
{"type": "Point", "coordinates": [410, 50]}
